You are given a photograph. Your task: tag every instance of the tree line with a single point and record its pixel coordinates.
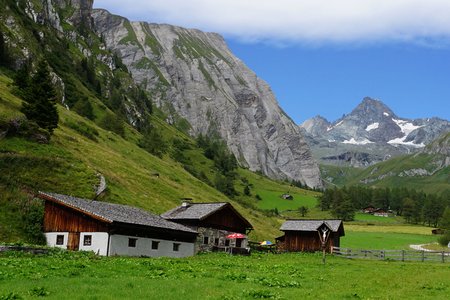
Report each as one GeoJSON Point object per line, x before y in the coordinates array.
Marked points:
{"type": "Point", "coordinates": [415, 206]}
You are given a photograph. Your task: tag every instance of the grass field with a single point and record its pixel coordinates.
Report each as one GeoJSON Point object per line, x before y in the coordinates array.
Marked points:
{"type": "Point", "coordinates": [272, 199]}
{"type": "Point", "coordinates": [218, 276]}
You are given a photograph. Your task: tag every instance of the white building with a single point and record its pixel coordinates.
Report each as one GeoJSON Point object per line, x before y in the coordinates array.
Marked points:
{"type": "Point", "coordinates": [112, 229]}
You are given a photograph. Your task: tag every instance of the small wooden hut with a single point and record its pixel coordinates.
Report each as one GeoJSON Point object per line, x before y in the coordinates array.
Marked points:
{"type": "Point", "coordinates": [303, 235]}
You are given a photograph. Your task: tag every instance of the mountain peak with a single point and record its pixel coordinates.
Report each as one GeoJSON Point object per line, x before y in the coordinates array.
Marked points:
{"type": "Point", "coordinates": [373, 109]}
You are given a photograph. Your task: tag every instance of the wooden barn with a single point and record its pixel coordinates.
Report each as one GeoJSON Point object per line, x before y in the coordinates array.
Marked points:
{"type": "Point", "coordinates": [303, 235]}
{"type": "Point", "coordinates": [213, 222]}
{"type": "Point", "coordinates": [112, 229]}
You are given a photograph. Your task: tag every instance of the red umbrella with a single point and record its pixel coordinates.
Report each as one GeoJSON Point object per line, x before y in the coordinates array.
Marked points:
{"type": "Point", "coordinates": [236, 236]}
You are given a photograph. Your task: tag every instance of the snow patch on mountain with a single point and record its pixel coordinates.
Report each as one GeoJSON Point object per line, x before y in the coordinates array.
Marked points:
{"type": "Point", "coordinates": [386, 114]}
{"type": "Point", "coordinates": [372, 126]}
{"type": "Point", "coordinates": [401, 141]}
{"type": "Point", "coordinates": [405, 126]}
{"type": "Point", "coordinates": [355, 142]}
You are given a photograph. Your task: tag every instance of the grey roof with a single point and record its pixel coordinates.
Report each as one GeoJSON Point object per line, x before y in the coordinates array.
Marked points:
{"type": "Point", "coordinates": [110, 212]}
{"type": "Point", "coordinates": [309, 225]}
{"type": "Point", "coordinates": [193, 211]}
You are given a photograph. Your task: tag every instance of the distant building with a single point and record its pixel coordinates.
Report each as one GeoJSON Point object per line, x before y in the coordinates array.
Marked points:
{"type": "Point", "coordinates": [213, 222]}
{"type": "Point", "coordinates": [287, 197]}
{"type": "Point", "coordinates": [368, 210]}
{"type": "Point", "coordinates": [112, 229]}
{"type": "Point", "coordinates": [381, 213]}
{"type": "Point", "coordinates": [303, 235]}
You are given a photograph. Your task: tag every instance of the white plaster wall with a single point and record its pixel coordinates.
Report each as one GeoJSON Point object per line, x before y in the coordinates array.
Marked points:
{"type": "Point", "coordinates": [119, 246]}
{"type": "Point", "coordinates": [99, 242]}
{"type": "Point", "coordinates": [51, 239]}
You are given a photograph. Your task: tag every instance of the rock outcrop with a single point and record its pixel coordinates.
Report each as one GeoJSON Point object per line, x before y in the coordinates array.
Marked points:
{"type": "Point", "coordinates": [193, 75]}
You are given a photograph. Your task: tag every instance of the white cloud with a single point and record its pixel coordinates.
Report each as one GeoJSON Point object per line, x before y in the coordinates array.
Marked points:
{"type": "Point", "coordinates": [299, 21]}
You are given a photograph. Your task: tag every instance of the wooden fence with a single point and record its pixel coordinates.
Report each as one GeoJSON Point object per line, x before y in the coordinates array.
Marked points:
{"type": "Point", "coordinates": [400, 255]}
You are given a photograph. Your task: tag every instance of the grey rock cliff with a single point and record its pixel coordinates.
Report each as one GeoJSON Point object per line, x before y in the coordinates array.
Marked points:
{"type": "Point", "coordinates": [194, 75]}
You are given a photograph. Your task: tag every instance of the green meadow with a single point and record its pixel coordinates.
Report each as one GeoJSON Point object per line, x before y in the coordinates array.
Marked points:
{"type": "Point", "coordinates": [65, 275]}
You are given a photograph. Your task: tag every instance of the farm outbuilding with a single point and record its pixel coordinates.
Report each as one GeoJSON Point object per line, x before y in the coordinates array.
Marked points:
{"type": "Point", "coordinates": [213, 222]}
{"type": "Point", "coordinates": [112, 229]}
{"type": "Point", "coordinates": [303, 235]}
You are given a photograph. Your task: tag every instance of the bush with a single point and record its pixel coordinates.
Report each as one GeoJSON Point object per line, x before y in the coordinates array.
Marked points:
{"type": "Point", "coordinates": [445, 239]}
{"type": "Point", "coordinates": [112, 123]}
{"type": "Point", "coordinates": [153, 142]}
{"type": "Point", "coordinates": [84, 129]}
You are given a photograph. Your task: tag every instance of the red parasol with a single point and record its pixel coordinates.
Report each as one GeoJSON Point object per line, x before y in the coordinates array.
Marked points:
{"type": "Point", "coordinates": [236, 236]}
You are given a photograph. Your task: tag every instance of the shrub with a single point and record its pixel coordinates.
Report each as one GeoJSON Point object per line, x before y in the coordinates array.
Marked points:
{"type": "Point", "coordinates": [444, 239]}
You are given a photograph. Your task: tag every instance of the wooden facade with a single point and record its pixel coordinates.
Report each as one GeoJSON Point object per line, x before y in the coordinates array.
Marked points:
{"type": "Point", "coordinates": [225, 219]}
{"type": "Point", "coordinates": [307, 235]}
{"type": "Point", "coordinates": [308, 241]}
{"type": "Point", "coordinates": [59, 218]}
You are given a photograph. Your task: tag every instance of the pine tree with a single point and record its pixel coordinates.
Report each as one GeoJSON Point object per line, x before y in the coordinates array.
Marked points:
{"type": "Point", "coordinates": [40, 101]}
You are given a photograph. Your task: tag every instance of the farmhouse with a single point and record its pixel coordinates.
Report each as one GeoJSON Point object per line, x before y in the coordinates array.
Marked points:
{"type": "Point", "coordinates": [213, 222]}
{"type": "Point", "coordinates": [380, 213]}
{"type": "Point", "coordinates": [112, 229]}
{"type": "Point", "coordinates": [369, 209]}
{"type": "Point", "coordinates": [303, 235]}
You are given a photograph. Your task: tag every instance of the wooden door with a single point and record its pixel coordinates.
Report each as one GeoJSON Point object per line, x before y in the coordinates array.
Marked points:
{"type": "Point", "coordinates": [74, 241]}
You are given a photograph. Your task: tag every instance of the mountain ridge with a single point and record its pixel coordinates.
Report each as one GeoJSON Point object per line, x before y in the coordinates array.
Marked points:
{"type": "Point", "coordinates": [371, 131]}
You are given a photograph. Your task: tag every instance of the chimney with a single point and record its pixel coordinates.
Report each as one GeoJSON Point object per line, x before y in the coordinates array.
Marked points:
{"type": "Point", "coordinates": [186, 202]}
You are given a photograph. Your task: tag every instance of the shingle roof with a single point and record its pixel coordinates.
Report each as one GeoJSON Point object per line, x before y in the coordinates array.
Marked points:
{"type": "Point", "coordinates": [194, 211]}
{"type": "Point", "coordinates": [309, 225]}
{"type": "Point", "coordinates": [110, 212]}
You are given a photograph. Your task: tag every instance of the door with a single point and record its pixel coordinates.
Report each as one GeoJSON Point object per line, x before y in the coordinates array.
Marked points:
{"type": "Point", "coordinates": [74, 241]}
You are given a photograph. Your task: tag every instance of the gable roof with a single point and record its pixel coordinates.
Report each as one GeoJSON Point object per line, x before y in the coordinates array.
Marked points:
{"type": "Point", "coordinates": [113, 213]}
{"type": "Point", "coordinates": [312, 225]}
{"type": "Point", "coordinates": [200, 211]}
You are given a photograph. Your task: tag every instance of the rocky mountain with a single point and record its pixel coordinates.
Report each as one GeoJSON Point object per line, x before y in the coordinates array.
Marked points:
{"type": "Point", "coordinates": [371, 133]}
{"type": "Point", "coordinates": [194, 76]}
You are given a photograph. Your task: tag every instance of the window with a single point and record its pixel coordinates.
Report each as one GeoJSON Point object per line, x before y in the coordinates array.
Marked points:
{"type": "Point", "coordinates": [87, 240]}
{"type": "Point", "coordinates": [205, 240]}
{"type": "Point", "coordinates": [60, 239]}
{"type": "Point", "coordinates": [132, 242]}
{"type": "Point", "coordinates": [227, 242]}
{"type": "Point", "coordinates": [155, 245]}
{"type": "Point", "coordinates": [216, 241]}
{"type": "Point", "coordinates": [176, 247]}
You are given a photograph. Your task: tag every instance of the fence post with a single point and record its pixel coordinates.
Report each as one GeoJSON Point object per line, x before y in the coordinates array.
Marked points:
{"type": "Point", "coordinates": [443, 256]}
{"type": "Point", "coordinates": [403, 255]}
{"type": "Point", "coordinates": [423, 255]}
{"type": "Point", "coordinates": [382, 254]}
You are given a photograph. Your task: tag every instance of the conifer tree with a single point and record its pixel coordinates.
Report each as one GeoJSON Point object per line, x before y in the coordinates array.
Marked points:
{"type": "Point", "coordinates": [40, 100]}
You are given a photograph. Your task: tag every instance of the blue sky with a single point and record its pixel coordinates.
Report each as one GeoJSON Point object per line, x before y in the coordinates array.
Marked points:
{"type": "Point", "coordinates": [322, 57]}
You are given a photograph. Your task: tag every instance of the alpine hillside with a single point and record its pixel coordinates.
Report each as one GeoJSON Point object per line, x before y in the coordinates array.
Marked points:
{"type": "Point", "coordinates": [193, 75]}
{"type": "Point", "coordinates": [371, 133]}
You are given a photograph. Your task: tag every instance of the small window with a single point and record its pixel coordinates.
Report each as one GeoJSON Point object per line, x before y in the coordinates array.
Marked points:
{"type": "Point", "coordinates": [155, 245]}
{"type": "Point", "coordinates": [176, 247]}
{"type": "Point", "coordinates": [216, 241]}
{"type": "Point", "coordinates": [227, 243]}
{"type": "Point", "coordinates": [132, 242]}
{"type": "Point", "coordinates": [60, 239]}
{"type": "Point", "coordinates": [205, 240]}
{"type": "Point", "coordinates": [87, 240]}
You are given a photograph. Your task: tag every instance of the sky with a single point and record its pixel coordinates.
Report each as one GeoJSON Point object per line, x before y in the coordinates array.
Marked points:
{"type": "Point", "coordinates": [322, 57]}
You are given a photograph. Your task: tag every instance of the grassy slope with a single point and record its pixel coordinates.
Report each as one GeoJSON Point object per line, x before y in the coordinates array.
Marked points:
{"type": "Point", "coordinates": [219, 276]}
{"type": "Point", "coordinates": [71, 162]}
{"type": "Point", "coordinates": [438, 182]}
